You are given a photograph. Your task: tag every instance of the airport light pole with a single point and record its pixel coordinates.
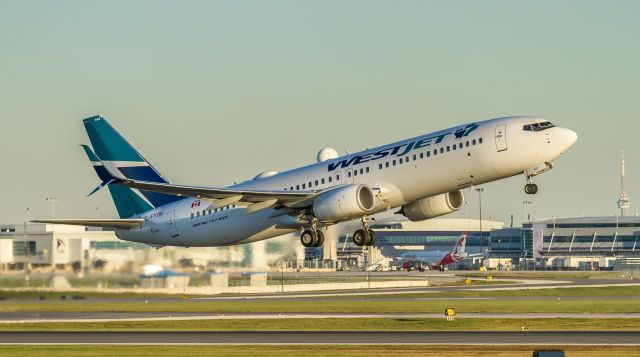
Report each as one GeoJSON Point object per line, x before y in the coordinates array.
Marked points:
{"type": "Point", "coordinates": [53, 201]}
{"type": "Point", "coordinates": [499, 265]}
{"type": "Point", "coordinates": [25, 249]}
{"type": "Point", "coordinates": [524, 211]}
{"type": "Point", "coordinates": [479, 190]}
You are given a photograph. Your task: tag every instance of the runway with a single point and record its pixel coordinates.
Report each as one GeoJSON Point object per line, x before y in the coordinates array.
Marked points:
{"type": "Point", "coordinates": [23, 317]}
{"type": "Point", "coordinates": [324, 338]}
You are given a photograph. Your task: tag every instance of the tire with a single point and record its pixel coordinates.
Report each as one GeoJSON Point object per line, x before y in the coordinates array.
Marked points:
{"type": "Point", "coordinates": [371, 238]}
{"type": "Point", "coordinates": [530, 189]}
{"type": "Point", "coordinates": [320, 239]}
{"type": "Point", "coordinates": [307, 238]}
{"type": "Point", "coordinates": [359, 237]}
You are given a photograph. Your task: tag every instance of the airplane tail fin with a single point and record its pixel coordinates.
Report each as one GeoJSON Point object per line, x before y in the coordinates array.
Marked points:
{"type": "Point", "coordinates": [112, 151]}
{"type": "Point", "coordinates": [460, 245]}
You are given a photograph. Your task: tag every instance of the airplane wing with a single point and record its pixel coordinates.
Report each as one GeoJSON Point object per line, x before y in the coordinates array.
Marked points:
{"type": "Point", "coordinates": [286, 198]}
{"type": "Point", "coordinates": [219, 197]}
{"type": "Point", "coordinates": [106, 223]}
{"type": "Point", "coordinates": [474, 255]}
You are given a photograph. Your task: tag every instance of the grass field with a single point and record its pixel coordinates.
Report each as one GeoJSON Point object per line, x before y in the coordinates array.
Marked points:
{"type": "Point", "coordinates": [330, 306]}
{"type": "Point", "coordinates": [549, 274]}
{"type": "Point", "coordinates": [314, 350]}
{"type": "Point", "coordinates": [329, 324]}
{"type": "Point", "coordinates": [558, 292]}
{"type": "Point", "coordinates": [613, 291]}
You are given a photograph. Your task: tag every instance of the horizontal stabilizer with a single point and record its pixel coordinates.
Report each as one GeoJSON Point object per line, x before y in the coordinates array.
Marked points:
{"type": "Point", "coordinates": [105, 223]}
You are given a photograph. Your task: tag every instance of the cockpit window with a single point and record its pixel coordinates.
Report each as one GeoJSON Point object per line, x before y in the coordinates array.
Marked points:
{"type": "Point", "coordinates": [538, 126]}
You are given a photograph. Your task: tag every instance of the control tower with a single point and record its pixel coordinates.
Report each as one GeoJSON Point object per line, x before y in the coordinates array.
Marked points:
{"type": "Point", "coordinates": [623, 201]}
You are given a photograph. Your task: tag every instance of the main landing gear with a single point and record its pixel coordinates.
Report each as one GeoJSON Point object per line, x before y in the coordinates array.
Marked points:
{"type": "Point", "coordinates": [312, 237]}
{"type": "Point", "coordinates": [364, 236]}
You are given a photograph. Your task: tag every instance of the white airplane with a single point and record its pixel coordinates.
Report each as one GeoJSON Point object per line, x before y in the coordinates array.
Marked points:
{"type": "Point", "coordinates": [424, 176]}
{"type": "Point", "coordinates": [435, 259]}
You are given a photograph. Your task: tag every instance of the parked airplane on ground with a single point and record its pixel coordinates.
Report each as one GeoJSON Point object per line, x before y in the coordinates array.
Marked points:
{"type": "Point", "coordinates": [435, 259]}
{"type": "Point", "coordinates": [424, 176]}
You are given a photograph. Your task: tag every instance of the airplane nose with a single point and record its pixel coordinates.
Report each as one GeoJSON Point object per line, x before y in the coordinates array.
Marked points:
{"type": "Point", "coordinates": [568, 137]}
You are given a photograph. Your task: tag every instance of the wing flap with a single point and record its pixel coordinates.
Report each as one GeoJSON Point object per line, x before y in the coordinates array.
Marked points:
{"type": "Point", "coordinates": [105, 223]}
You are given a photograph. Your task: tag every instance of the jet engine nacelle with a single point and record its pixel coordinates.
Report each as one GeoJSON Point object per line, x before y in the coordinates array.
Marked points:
{"type": "Point", "coordinates": [344, 203]}
{"type": "Point", "coordinates": [435, 206]}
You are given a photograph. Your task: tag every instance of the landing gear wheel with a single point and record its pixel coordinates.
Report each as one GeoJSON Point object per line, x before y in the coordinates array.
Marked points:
{"type": "Point", "coordinates": [531, 188]}
{"type": "Point", "coordinates": [307, 238]}
{"type": "Point", "coordinates": [360, 237]}
{"type": "Point", "coordinates": [371, 238]}
{"type": "Point", "coordinates": [320, 239]}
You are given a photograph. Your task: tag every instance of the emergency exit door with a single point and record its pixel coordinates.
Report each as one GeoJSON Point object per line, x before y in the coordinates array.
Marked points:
{"type": "Point", "coordinates": [171, 224]}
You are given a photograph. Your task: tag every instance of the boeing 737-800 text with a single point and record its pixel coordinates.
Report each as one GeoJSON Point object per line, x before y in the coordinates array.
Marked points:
{"type": "Point", "coordinates": [423, 176]}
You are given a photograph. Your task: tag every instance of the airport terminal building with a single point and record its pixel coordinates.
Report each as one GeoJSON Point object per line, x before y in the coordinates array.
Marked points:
{"type": "Point", "coordinates": [572, 243]}
{"type": "Point", "coordinates": [77, 247]}
{"type": "Point", "coordinates": [590, 242]}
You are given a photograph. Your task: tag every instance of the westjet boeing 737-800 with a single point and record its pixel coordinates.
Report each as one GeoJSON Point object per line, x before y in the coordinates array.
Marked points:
{"type": "Point", "coordinates": [422, 176]}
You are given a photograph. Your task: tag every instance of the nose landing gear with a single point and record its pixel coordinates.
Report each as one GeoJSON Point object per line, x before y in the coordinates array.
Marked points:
{"type": "Point", "coordinates": [531, 189]}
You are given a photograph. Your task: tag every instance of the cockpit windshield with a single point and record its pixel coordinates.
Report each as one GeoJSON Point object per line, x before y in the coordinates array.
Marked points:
{"type": "Point", "coordinates": [538, 126]}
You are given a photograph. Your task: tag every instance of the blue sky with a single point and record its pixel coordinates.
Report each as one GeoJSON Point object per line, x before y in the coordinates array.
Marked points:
{"type": "Point", "coordinates": [215, 92]}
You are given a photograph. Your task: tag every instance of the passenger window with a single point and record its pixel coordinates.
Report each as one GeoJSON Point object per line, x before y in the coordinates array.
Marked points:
{"type": "Point", "coordinates": [448, 148]}
{"type": "Point", "coordinates": [291, 188]}
{"type": "Point", "coordinates": [310, 185]}
{"type": "Point", "coordinates": [348, 173]}
{"type": "Point", "coordinates": [303, 186]}
{"type": "Point", "coordinates": [297, 187]}
{"type": "Point", "coordinates": [322, 181]}
{"type": "Point", "coordinates": [428, 154]}
{"type": "Point", "coordinates": [454, 147]}
{"type": "Point", "coordinates": [387, 164]}
{"type": "Point", "coordinates": [367, 169]}
{"type": "Point", "coordinates": [316, 182]}
{"type": "Point", "coordinates": [355, 172]}
{"type": "Point", "coordinates": [415, 157]}
{"type": "Point", "coordinates": [192, 215]}
{"type": "Point", "coordinates": [380, 166]}
{"type": "Point", "coordinates": [400, 160]}
{"type": "Point", "coordinates": [198, 214]}
{"type": "Point", "coordinates": [435, 152]}
{"type": "Point", "coordinates": [467, 143]}
{"type": "Point", "coordinates": [394, 162]}
{"type": "Point", "coordinates": [473, 142]}
{"type": "Point", "coordinates": [422, 155]}
{"type": "Point", "coordinates": [441, 150]}
{"type": "Point", "coordinates": [361, 171]}
{"type": "Point", "coordinates": [480, 141]}
{"type": "Point", "coordinates": [337, 177]}
{"type": "Point", "coordinates": [460, 145]}
{"type": "Point", "coordinates": [330, 179]}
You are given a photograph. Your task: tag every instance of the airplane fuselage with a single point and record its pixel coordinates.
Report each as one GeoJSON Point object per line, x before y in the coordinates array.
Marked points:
{"type": "Point", "coordinates": [399, 173]}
